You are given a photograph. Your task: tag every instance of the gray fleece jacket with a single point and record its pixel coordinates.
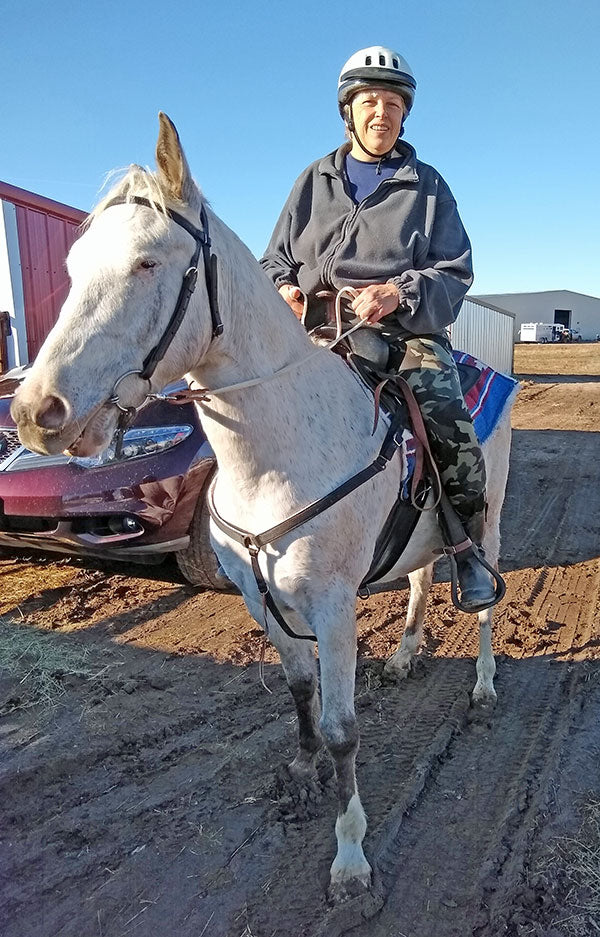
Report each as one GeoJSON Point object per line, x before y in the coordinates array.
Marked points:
{"type": "Point", "coordinates": [407, 231]}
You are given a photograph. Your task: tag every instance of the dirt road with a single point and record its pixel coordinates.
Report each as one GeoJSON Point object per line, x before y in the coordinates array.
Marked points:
{"type": "Point", "coordinates": [141, 783]}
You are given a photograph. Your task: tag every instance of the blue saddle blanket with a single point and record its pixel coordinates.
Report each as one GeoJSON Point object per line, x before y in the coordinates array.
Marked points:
{"type": "Point", "coordinates": [489, 395]}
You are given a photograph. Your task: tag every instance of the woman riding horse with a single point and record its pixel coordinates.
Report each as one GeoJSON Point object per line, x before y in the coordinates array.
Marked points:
{"type": "Point", "coordinates": [373, 217]}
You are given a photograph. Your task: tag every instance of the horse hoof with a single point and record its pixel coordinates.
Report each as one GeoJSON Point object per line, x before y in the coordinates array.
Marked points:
{"type": "Point", "coordinates": [348, 889]}
{"type": "Point", "coordinates": [483, 698]}
{"type": "Point", "coordinates": [302, 770]}
{"type": "Point", "coordinates": [396, 671]}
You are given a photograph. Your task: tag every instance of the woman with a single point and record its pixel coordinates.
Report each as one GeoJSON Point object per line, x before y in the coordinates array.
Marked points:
{"type": "Point", "coordinates": [373, 217]}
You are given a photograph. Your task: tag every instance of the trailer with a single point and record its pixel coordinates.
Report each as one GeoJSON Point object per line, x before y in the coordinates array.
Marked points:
{"type": "Point", "coordinates": [35, 236]}
{"type": "Point", "coordinates": [537, 332]}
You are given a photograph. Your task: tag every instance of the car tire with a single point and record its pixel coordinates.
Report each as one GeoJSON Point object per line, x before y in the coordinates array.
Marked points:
{"type": "Point", "coordinates": [198, 561]}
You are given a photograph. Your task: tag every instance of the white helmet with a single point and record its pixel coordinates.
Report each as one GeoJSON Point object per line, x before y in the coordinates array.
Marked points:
{"type": "Point", "coordinates": [377, 66]}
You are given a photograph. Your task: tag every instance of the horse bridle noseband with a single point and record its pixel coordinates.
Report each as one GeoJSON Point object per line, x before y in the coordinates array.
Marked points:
{"type": "Point", "coordinates": [203, 244]}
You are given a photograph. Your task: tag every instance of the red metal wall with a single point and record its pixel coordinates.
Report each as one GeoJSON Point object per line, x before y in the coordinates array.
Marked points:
{"type": "Point", "coordinates": [46, 229]}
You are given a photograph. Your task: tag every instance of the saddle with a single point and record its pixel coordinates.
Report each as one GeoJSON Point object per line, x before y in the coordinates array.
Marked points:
{"type": "Point", "coordinates": [368, 354]}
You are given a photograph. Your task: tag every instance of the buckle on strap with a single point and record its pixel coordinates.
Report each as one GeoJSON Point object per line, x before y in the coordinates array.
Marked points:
{"type": "Point", "coordinates": [251, 545]}
{"type": "Point", "coordinates": [445, 551]}
{"type": "Point", "coordinates": [450, 549]}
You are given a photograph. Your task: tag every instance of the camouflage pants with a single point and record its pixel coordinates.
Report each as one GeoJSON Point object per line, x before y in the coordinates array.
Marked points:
{"type": "Point", "coordinates": [429, 368]}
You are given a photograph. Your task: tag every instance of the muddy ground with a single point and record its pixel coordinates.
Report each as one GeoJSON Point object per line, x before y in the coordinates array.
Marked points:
{"type": "Point", "coordinates": [141, 783]}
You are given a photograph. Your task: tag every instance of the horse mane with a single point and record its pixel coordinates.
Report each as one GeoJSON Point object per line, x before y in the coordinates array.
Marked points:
{"type": "Point", "coordinates": [131, 181]}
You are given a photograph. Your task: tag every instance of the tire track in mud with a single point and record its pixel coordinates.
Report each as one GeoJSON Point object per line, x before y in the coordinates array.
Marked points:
{"type": "Point", "coordinates": [405, 729]}
{"type": "Point", "coordinates": [148, 782]}
{"type": "Point", "coordinates": [468, 832]}
{"type": "Point", "coordinates": [558, 617]}
{"type": "Point", "coordinates": [551, 489]}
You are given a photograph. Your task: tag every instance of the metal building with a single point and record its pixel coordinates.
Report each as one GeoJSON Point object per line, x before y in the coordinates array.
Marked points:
{"type": "Point", "coordinates": [35, 236]}
{"type": "Point", "coordinates": [485, 331]}
{"type": "Point", "coordinates": [562, 307]}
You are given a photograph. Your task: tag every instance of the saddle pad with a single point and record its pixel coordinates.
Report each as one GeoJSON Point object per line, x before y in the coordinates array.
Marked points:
{"type": "Point", "coordinates": [488, 396]}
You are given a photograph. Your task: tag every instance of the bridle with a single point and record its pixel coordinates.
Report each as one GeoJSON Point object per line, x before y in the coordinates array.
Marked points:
{"type": "Point", "coordinates": [203, 245]}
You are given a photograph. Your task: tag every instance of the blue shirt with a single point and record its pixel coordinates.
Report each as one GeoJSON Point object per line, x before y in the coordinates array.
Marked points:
{"type": "Point", "coordinates": [363, 178]}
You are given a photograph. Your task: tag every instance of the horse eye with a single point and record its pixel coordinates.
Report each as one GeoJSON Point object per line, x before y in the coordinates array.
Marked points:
{"type": "Point", "coordinates": [148, 264]}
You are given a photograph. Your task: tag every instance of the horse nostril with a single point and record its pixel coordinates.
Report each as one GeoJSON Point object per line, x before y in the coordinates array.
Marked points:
{"type": "Point", "coordinates": [51, 413]}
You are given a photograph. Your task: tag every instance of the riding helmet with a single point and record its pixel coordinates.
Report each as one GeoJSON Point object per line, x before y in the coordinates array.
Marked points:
{"type": "Point", "coordinates": [380, 67]}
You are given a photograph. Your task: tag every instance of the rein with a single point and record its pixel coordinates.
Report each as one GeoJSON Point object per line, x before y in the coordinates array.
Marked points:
{"type": "Point", "coordinates": [202, 394]}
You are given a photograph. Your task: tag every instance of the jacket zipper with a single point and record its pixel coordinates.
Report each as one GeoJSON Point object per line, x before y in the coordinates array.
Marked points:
{"type": "Point", "coordinates": [328, 264]}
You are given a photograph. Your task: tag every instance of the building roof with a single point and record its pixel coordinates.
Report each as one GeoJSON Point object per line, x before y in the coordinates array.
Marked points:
{"type": "Point", "coordinates": [535, 293]}
{"type": "Point", "coordinates": [478, 299]}
{"type": "Point", "coordinates": [25, 199]}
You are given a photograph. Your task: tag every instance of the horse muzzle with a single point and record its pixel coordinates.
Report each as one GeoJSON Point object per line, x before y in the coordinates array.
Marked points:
{"type": "Point", "coordinates": [48, 426]}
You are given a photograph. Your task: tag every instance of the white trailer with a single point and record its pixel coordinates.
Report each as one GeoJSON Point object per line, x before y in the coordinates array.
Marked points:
{"type": "Point", "coordinates": [537, 332]}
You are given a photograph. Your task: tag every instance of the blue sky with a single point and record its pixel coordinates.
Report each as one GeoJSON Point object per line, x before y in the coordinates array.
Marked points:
{"type": "Point", "coordinates": [506, 109]}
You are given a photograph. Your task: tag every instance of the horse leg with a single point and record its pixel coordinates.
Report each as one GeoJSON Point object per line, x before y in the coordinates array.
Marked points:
{"type": "Point", "coordinates": [300, 667]}
{"type": "Point", "coordinates": [335, 627]}
{"type": "Point", "coordinates": [400, 663]}
{"type": "Point", "coordinates": [484, 693]}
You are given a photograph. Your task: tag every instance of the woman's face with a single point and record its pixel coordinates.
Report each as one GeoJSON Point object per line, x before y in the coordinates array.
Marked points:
{"type": "Point", "coordinates": [377, 116]}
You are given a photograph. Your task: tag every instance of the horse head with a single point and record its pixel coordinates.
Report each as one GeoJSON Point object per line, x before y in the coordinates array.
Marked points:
{"type": "Point", "coordinates": [126, 273]}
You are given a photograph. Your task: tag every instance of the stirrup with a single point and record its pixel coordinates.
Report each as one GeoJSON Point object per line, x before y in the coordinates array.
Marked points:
{"type": "Point", "coordinates": [500, 585]}
{"type": "Point", "coordinates": [456, 541]}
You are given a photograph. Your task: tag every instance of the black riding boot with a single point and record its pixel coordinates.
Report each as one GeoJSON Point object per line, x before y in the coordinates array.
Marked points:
{"type": "Point", "coordinates": [477, 588]}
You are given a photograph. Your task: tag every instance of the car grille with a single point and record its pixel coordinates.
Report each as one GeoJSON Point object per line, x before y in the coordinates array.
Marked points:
{"type": "Point", "coordinates": [9, 443]}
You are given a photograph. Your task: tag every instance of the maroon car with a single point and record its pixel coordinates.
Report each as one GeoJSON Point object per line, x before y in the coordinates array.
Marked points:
{"type": "Point", "coordinates": [138, 504]}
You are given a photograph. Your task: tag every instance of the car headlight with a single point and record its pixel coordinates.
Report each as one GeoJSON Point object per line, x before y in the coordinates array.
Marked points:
{"type": "Point", "coordinates": [137, 443]}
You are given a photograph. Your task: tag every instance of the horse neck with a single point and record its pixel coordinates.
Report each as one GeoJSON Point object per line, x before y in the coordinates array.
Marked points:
{"type": "Point", "coordinates": [260, 430]}
{"type": "Point", "coordinates": [260, 333]}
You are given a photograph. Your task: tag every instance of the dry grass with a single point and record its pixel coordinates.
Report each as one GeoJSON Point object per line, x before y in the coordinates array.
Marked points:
{"type": "Point", "coordinates": [44, 664]}
{"type": "Point", "coordinates": [578, 858]}
{"type": "Point", "coordinates": [576, 358]}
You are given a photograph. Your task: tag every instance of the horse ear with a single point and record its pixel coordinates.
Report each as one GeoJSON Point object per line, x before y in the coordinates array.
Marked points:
{"type": "Point", "coordinates": [173, 170]}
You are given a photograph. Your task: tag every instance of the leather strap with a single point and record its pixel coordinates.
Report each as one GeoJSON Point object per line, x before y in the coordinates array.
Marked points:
{"type": "Point", "coordinates": [255, 542]}
{"type": "Point", "coordinates": [390, 444]}
{"type": "Point", "coordinates": [203, 244]}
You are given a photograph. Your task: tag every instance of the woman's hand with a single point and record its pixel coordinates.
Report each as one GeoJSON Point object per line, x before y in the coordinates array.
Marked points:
{"type": "Point", "coordinates": [376, 301]}
{"type": "Point", "coordinates": [294, 297]}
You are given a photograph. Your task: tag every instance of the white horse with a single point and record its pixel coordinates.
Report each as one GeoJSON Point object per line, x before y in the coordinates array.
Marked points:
{"type": "Point", "coordinates": [280, 443]}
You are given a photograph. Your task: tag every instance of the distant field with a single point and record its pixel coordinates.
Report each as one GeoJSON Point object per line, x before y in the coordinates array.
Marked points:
{"type": "Point", "coordinates": [575, 358]}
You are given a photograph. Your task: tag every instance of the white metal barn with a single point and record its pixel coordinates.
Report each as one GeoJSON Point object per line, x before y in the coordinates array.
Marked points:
{"type": "Point", "coordinates": [485, 331]}
{"type": "Point", "coordinates": [563, 307]}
